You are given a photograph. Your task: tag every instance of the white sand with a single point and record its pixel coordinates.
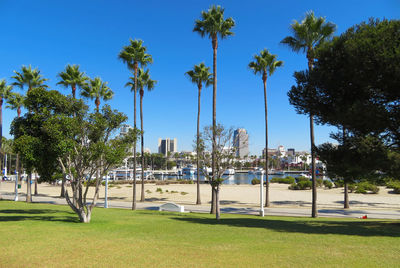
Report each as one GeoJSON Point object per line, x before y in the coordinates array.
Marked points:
{"type": "Point", "coordinates": [233, 195]}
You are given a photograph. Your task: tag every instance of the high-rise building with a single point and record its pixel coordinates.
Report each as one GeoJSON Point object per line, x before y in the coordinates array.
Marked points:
{"type": "Point", "coordinates": [291, 152]}
{"type": "Point", "coordinates": [167, 145]}
{"type": "Point", "coordinates": [241, 142]}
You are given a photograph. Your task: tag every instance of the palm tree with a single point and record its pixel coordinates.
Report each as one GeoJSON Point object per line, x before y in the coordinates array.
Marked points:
{"type": "Point", "coordinates": [265, 64]}
{"type": "Point", "coordinates": [133, 55]}
{"type": "Point", "coordinates": [15, 101]}
{"type": "Point", "coordinates": [5, 91]}
{"type": "Point", "coordinates": [308, 35]}
{"type": "Point", "coordinates": [97, 90]}
{"type": "Point", "coordinates": [199, 75]}
{"type": "Point", "coordinates": [30, 78]}
{"type": "Point", "coordinates": [213, 25]}
{"type": "Point", "coordinates": [143, 81]}
{"type": "Point", "coordinates": [72, 77]}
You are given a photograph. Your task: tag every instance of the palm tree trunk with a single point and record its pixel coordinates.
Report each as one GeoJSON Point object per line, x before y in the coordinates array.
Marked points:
{"type": "Point", "coordinates": [73, 91]}
{"type": "Point", "coordinates": [214, 121]}
{"type": "Point", "coordinates": [314, 212]}
{"type": "Point", "coordinates": [1, 134]}
{"type": "Point", "coordinates": [36, 191]}
{"type": "Point", "coordinates": [198, 201]}
{"type": "Point", "coordinates": [135, 66]}
{"type": "Point", "coordinates": [217, 210]}
{"type": "Point", "coordinates": [142, 143]}
{"type": "Point", "coordinates": [267, 204]}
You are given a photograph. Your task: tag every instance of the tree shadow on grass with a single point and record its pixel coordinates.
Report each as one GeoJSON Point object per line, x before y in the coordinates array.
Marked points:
{"type": "Point", "coordinates": [311, 226]}
{"type": "Point", "coordinates": [37, 215]}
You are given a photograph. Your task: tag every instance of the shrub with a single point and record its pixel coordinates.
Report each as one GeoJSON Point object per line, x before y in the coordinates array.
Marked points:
{"type": "Point", "coordinates": [301, 185]}
{"type": "Point", "coordinates": [320, 182]}
{"type": "Point", "coordinates": [365, 187]}
{"type": "Point", "coordinates": [255, 181]}
{"type": "Point", "coordinates": [351, 187]}
{"type": "Point", "coordinates": [184, 193]}
{"type": "Point", "coordinates": [393, 184]}
{"type": "Point", "coordinates": [328, 184]}
{"type": "Point", "coordinates": [339, 183]}
{"type": "Point", "coordinates": [396, 189]}
{"type": "Point", "coordinates": [148, 191]}
{"type": "Point", "coordinates": [159, 190]}
{"type": "Point", "coordinates": [287, 180]}
{"type": "Point", "coordinates": [302, 178]}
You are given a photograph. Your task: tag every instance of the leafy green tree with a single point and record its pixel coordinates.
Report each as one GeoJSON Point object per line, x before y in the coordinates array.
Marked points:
{"type": "Point", "coordinates": [265, 64]}
{"type": "Point", "coordinates": [72, 77]}
{"type": "Point", "coordinates": [134, 55]}
{"type": "Point", "coordinates": [213, 25]}
{"type": "Point", "coordinates": [30, 78]}
{"type": "Point", "coordinates": [97, 90]}
{"type": "Point", "coordinates": [199, 75]}
{"type": "Point", "coordinates": [308, 35]}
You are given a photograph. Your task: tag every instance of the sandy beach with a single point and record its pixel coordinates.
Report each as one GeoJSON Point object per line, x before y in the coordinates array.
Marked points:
{"type": "Point", "coordinates": [230, 195]}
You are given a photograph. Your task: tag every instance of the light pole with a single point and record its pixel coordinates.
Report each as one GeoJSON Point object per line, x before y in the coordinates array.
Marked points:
{"type": "Point", "coordinates": [16, 186]}
{"type": "Point", "coordinates": [262, 193]}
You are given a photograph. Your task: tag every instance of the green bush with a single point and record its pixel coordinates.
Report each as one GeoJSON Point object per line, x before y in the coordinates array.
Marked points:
{"type": "Point", "coordinates": [393, 184]}
{"type": "Point", "coordinates": [396, 190]}
{"type": "Point", "coordinates": [328, 184]}
{"type": "Point", "coordinates": [366, 187]}
{"type": "Point", "coordinates": [302, 178]}
{"type": "Point", "coordinates": [351, 187]}
{"type": "Point", "coordinates": [320, 182]}
{"type": "Point", "coordinates": [255, 181]}
{"type": "Point", "coordinates": [286, 180]}
{"type": "Point", "coordinates": [159, 190]}
{"type": "Point", "coordinates": [338, 183]}
{"type": "Point", "coordinates": [301, 185]}
{"type": "Point", "coordinates": [184, 193]}
{"type": "Point", "coordinates": [148, 191]}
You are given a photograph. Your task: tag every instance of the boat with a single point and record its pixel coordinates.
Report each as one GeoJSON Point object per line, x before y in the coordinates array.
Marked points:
{"type": "Point", "coordinates": [229, 171]}
{"type": "Point", "coordinates": [305, 175]}
{"type": "Point", "coordinates": [188, 172]}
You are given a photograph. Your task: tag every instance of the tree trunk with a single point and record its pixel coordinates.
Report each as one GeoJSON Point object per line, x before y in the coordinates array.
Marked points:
{"type": "Point", "coordinates": [135, 66]}
{"type": "Point", "coordinates": [267, 204]}
{"type": "Point", "coordinates": [62, 194]}
{"type": "Point", "coordinates": [214, 121]}
{"type": "Point", "coordinates": [314, 211]}
{"type": "Point", "coordinates": [346, 195]}
{"type": "Point", "coordinates": [28, 188]}
{"type": "Point", "coordinates": [17, 178]}
{"type": "Point", "coordinates": [213, 201]}
{"type": "Point", "coordinates": [198, 201]}
{"type": "Point", "coordinates": [36, 191]}
{"type": "Point", "coordinates": [142, 143]}
{"type": "Point", "coordinates": [218, 212]}
{"type": "Point", "coordinates": [73, 91]}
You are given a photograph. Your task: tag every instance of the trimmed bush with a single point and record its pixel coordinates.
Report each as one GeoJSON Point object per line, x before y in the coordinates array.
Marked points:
{"type": "Point", "coordinates": [320, 182]}
{"type": "Point", "coordinates": [255, 181]}
{"type": "Point", "coordinates": [351, 187]}
{"type": "Point", "coordinates": [366, 187]}
{"type": "Point", "coordinates": [286, 180]}
{"type": "Point", "coordinates": [301, 185]}
{"type": "Point", "coordinates": [339, 183]}
{"type": "Point", "coordinates": [302, 178]}
{"type": "Point", "coordinates": [328, 184]}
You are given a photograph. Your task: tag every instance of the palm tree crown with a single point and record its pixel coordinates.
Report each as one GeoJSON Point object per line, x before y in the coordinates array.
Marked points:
{"type": "Point", "coordinates": [97, 89]}
{"type": "Point", "coordinates": [212, 23]}
{"type": "Point", "coordinates": [29, 77]}
{"type": "Point", "coordinates": [265, 63]}
{"type": "Point", "coordinates": [5, 89]}
{"type": "Point", "coordinates": [308, 34]}
{"type": "Point", "coordinates": [200, 74]}
{"type": "Point", "coordinates": [15, 101]}
{"type": "Point", "coordinates": [73, 77]}
{"type": "Point", "coordinates": [143, 81]}
{"type": "Point", "coordinates": [135, 54]}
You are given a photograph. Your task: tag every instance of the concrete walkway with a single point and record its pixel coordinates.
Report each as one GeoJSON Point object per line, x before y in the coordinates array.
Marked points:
{"type": "Point", "coordinates": [275, 211]}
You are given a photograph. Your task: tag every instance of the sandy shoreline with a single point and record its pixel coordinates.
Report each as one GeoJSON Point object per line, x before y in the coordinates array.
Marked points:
{"type": "Point", "coordinates": [232, 195]}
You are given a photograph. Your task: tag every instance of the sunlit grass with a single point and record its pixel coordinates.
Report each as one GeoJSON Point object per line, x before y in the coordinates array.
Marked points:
{"type": "Point", "coordinates": [48, 235]}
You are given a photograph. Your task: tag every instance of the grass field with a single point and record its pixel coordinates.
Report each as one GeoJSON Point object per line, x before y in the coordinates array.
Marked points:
{"type": "Point", "coordinates": [40, 235]}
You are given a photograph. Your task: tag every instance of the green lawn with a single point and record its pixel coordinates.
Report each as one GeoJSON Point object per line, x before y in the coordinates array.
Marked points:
{"type": "Point", "coordinates": [49, 235]}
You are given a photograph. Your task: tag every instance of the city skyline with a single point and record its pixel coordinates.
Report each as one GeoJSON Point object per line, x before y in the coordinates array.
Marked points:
{"type": "Point", "coordinates": [100, 31]}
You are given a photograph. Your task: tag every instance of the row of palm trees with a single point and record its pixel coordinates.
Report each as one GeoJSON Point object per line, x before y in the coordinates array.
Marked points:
{"type": "Point", "coordinates": [307, 35]}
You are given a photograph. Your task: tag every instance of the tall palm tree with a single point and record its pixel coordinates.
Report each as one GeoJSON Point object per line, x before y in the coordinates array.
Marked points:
{"type": "Point", "coordinates": [213, 25]}
{"type": "Point", "coordinates": [134, 55]}
{"type": "Point", "coordinates": [265, 64]}
{"type": "Point", "coordinates": [72, 77]}
{"type": "Point", "coordinates": [199, 75]}
{"type": "Point", "coordinates": [5, 91]}
{"type": "Point", "coordinates": [308, 35]}
{"type": "Point", "coordinates": [31, 78]}
{"type": "Point", "coordinates": [143, 81]}
{"type": "Point", "coordinates": [97, 90]}
{"type": "Point", "coordinates": [15, 101]}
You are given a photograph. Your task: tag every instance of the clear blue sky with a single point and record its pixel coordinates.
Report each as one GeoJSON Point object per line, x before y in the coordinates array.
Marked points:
{"type": "Point", "coordinates": [50, 34]}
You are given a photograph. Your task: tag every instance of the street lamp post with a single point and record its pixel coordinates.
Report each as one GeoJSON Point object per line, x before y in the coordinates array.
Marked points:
{"type": "Point", "coordinates": [16, 186]}
{"type": "Point", "coordinates": [106, 193]}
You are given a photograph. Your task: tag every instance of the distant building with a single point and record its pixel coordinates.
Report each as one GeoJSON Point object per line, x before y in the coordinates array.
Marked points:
{"type": "Point", "coordinates": [271, 152]}
{"type": "Point", "coordinates": [241, 142]}
{"type": "Point", "coordinates": [167, 145]}
{"type": "Point", "coordinates": [123, 131]}
{"type": "Point", "coordinates": [291, 152]}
